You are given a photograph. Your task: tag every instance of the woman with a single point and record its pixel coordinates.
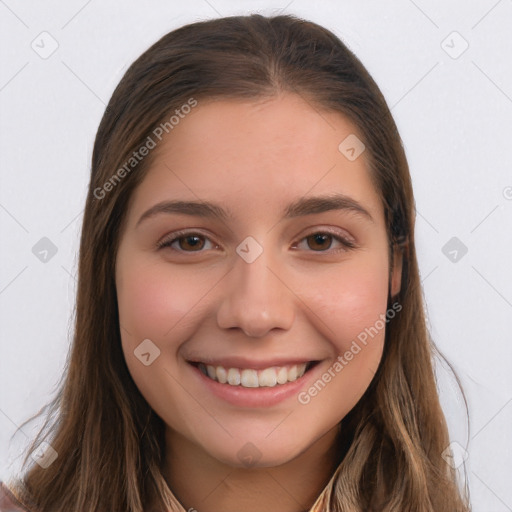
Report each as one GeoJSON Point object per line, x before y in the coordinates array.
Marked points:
{"type": "Point", "coordinates": [250, 330]}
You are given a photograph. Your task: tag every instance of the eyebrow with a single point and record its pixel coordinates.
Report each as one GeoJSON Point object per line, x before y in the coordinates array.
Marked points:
{"type": "Point", "coordinates": [303, 206]}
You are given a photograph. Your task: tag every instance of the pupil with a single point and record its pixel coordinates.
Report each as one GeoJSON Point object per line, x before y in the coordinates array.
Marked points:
{"type": "Point", "coordinates": [192, 241]}
{"type": "Point", "coordinates": [319, 238]}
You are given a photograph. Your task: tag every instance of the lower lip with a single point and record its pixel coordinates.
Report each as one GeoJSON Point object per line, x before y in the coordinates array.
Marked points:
{"type": "Point", "coordinates": [254, 397]}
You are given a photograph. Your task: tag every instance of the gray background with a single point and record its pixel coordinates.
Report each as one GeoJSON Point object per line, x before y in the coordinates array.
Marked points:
{"type": "Point", "coordinates": [453, 107]}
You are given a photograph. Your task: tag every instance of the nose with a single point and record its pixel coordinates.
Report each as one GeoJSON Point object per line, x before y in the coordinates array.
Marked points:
{"type": "Point", "coordinates": [257, 298]}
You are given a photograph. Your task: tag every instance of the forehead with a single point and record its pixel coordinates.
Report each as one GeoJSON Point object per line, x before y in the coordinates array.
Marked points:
{"type": "Point", "coordinates": [256, 156]}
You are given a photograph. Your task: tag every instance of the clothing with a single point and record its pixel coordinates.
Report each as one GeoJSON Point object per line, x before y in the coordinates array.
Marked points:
{"type": "Point", "coordinates": [8, 501]}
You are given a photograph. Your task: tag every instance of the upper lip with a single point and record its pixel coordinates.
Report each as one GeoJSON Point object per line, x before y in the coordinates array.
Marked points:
{"type": "Point", "coordinates": [242, 362]}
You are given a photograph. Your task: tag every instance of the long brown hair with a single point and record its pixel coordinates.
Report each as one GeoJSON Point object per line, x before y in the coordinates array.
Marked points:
{"type": "Point", "coordinates": [110, 443]}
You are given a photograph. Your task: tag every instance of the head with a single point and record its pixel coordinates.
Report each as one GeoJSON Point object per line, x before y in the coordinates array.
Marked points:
{"type": "Point", "coordinates": [293, 297]}
{"type": "Point", "coordinates": [306, 256]}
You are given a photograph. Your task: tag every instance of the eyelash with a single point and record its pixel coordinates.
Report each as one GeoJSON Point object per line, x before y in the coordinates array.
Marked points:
{"type": "Point", "coordinates": [347, 244]}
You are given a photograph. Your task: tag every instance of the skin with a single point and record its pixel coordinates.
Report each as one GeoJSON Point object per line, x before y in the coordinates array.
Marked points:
{"type": "Point", "coordinates": [253, 159]}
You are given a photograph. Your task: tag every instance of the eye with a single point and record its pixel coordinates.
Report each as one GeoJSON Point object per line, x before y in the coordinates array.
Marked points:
{"type": "Point", "coordinates": [186, 241]}
{"type": "Point", "coordinates": [318, 241]}
{"type": "Point", "coordinates": [321, 241]}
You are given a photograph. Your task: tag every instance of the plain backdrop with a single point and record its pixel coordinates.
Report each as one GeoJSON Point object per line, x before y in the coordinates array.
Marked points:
{"type": "Point", "coordinates": [445, 69]}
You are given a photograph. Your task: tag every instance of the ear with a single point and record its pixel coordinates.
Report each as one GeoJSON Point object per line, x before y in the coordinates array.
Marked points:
{"type": "Point", "coordinates": [396, 271]}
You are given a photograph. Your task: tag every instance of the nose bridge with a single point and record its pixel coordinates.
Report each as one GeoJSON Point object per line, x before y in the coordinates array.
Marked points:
{"type": "Point", "coordinates": [255, 298]}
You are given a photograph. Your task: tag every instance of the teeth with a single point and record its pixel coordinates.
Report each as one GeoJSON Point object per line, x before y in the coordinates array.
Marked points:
{"type": "Point", "coordinates": [234, 376]}
{"type": "Point", "coordinates": [282, 375]}
{"type": "Point", "coordinates": [211, 371]}
{"type": "Point", "coordinates": [292, 374]}
{"type": "Point", "coordinates": [268, 377]}
{"type": "Point", "coordinates": [222, 375]}
{"type": "Point", "coordinates": [249, 378]}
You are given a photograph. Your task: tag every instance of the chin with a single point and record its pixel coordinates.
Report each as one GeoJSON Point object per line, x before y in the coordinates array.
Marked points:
{"type": "Point", "coordinates": [257, 452]}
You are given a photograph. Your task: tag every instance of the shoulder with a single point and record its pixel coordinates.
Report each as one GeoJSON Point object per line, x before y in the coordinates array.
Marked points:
{"type": "Point", "coordinates": [8, 501]}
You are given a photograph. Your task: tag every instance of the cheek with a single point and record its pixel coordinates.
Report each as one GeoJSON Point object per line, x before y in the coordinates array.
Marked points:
{"type": "Point", "coordinates": [158, 304]}
{"type": "Point", "coordinates": [351, 299]}
{"type": "Point", "coordinates": [152, 301]}
{"type": "Point", "coordinates": [352, 306]}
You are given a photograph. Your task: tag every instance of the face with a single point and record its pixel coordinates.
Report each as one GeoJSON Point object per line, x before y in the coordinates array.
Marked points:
{"type": "Point", "coordinates": [263, 286]}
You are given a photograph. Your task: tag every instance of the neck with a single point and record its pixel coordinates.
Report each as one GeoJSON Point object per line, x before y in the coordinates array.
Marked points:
{"type": "Point", "coordinates": [206, 484]}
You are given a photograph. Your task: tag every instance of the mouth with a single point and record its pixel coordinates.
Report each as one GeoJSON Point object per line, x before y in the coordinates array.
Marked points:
{"type": "Point", "coordinates": [269, 377]}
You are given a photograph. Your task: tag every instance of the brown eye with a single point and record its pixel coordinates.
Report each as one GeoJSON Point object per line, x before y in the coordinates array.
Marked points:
{"type": "Point", "coordinates": [194, 242]}
{"type": "Point", "coordinates": [186, 242]}
{"type": "Point", "coordinates": [318, 241]}
{"type": "Point", "coordinates": [322, 241]}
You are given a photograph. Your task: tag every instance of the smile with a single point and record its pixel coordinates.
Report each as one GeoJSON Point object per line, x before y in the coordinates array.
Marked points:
{"type": "Point", "coordinates": [251, 378]}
